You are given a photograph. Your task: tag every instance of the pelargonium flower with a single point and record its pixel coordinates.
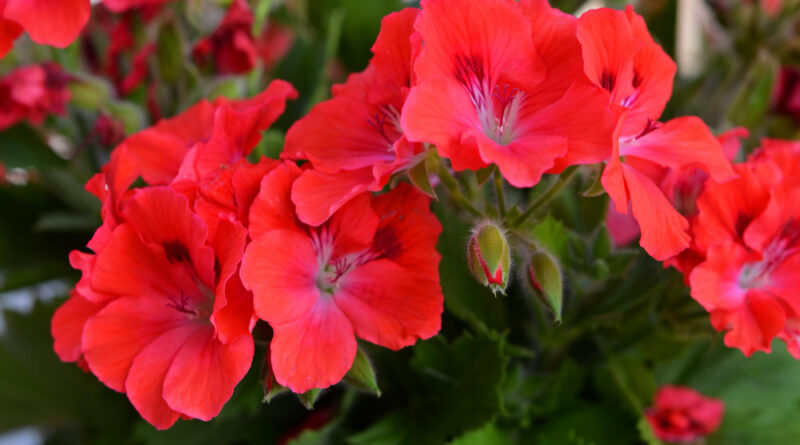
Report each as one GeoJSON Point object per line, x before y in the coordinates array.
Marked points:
{"type": "Point", "coordinates": [160, 313]}
{"type": "Point", "coordinates": [749, 231]}
{"type": "Point", "coordinates": [232, 45]}
{"type": "Point", "coordinates": [621, 57]}
{"type": "Point", "coordinates": [500, 83]}
{"type": "Point", "coordinates": [47, 22]}
{"type": "Point", "coordinates": [370, 271]}
{"type": "Point", "coordinates": [125, 5]}
{"type": "Point", "coordinates": [683, 415]}
{"type": "Point", "coordinates": [354, 140]}
{"type": "Point", "coordinates": [681, 186]}
{"type": "Point", "coordinates": [32, 93]}
{"type": "Point", "coordinates": [193, 148]}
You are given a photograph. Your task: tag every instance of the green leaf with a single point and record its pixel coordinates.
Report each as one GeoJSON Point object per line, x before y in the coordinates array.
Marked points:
{"type": "Point", "coordinates": [419, 176]}
{"type": "Point", "coordinates": [362, 375]}
{"type": "Point", "coordinates": [552, 235]}
{"type": "Point", "coordinates": [596, 187]}
{"type": "Point", "coordinates": [761, 393]}
{"type": "Point", "coordinates": [309, 398]}
{"type": "Point", "coordinates": [458, 390]}
{"type": "Point", "coordinates": [489, 434]}
{"type": "Point", "coordinates": [170, 51]}
{"type": "Point", "coordinates": [38, 389]}
{"type": "Point", "coordinates": [484, 174]}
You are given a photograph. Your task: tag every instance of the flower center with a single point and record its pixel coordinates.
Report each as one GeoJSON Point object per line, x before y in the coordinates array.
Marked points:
{"type": "Point", "coordinates": [497, 107]}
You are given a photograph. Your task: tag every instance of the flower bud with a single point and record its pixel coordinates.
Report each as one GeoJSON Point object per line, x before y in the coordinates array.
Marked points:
{"type": "Point", "coordinates": [544, 277]}
{"type": "Point", "coordinates": [489, 256]}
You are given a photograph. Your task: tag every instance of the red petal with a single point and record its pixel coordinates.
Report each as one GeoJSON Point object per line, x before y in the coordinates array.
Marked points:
{"type": "Point", "coordinates": [752, 326]}
{"type": "Point", "coordinates": [715, 282]}
{"type": "Point", "coordinates": [202, 376]}
{"type": "Point", "coordinates": [318, 195]}
{"type": "Point", "coordinates": [683, 142]}
{"type": "Point", "coordinates": [49, 22]}
{"type": "Point", "coordinates": [67, 326]}
{"type": "Point", "coordinates": [117, 334]}
{"type": "Point", "coordinates": [280, 267]}
{"type": "Point", "coordinates": [145, 382]}
{"type": "Point", "coordinates": [390, 305]}
{"type": "Point", "coordinates": [314, 351]}
{"type": "Point", "coordinates": [663, 228]}
{"type": "Point", "coordinates": [272, 209]}
{"type": "Point", "coordinates": [9, 31]}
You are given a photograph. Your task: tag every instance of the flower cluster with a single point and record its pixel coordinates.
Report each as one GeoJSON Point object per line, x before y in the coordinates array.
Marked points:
{"type": "Point", "coordinates": [746, 239]}
{"type": "Point", "coordinates": [32, 93]}
{"type": "Point", "coordinates": [330, 244]}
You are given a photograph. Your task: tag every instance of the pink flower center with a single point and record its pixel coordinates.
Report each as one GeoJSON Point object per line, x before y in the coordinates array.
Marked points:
{"type": "Point", "coordinates": [756, 274]}
{"type": "Point", "coordinates": [497, 107]}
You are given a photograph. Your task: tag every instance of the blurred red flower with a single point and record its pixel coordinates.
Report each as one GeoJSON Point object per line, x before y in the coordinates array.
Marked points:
{"type": "Point", "coordinates": [683, 415]}
{"type": "Point", "coordinates": [32, 93]}
{"type": "Point", "coordinates": [232, 46]}
{"type": "Point", "coordinates": [749, 233]}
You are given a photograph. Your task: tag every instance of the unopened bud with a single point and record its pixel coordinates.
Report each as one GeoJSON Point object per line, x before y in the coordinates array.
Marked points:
{"type": "Point", "coordinates": [489, 256]}
{"type": "Point", "coordinates": [544, 277]}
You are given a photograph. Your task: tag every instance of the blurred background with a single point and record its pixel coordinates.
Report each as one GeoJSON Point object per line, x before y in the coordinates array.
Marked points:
{"type": "Point", "coordinates": [739, 65]}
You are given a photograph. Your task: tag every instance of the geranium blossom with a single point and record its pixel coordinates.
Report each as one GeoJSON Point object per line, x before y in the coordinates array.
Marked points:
{"type": "Point", "coordinates": [47, 22]}
{"type": "Point", "coordinates": [165, 318]}
{"type": "Point", "coordinates": [32, 93]}
{"type": "Point", "coordinates": [354, 140]}
{"type": "Point", "coordinates": [749, 232]}
{"type": "Point", "coordinates": [681, 414]}
{"type": "Point", "coordinates": [620, 57]}
{"type": "Point", "coordinates": [498, 84]}
{"type": "Point", "coordinates": [371, 271]}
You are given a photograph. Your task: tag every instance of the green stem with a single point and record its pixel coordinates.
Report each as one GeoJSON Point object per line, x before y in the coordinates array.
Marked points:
{"type": "Point", "coordinates": [451, 185]}
{"type": "Point", "coordinates": [546, 197]}
{"type": "Point", "coordinates": [500, 192]}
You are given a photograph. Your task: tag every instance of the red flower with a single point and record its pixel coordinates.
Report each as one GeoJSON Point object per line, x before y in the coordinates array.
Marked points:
{"type": "Point", "coordinates": [124, 5]}
{"type": "Point", "coordinates": [684, 415]}
{"type": "Point", "coordinates": [164, 317]}
{"type": "Point", "coordinates": [749, 232]}
{"type": "Point", "coordinates": [47, 22]}
{"type": "Point", "coordinates": [500, 83]}
{"type": "Point", "coordinates": [231, 45]}
{"type": "Point", "coordinates": [620, 56]}
{"type": "Point", "coordinates": [32, 93]}
{"type": "Point", "coordinates": [274, 42]}
{"type": "Point", "coordinates": [786, 95]}
{"type": "Point", "coordinates": [354, 140]}
{"type": "Point", "coordinates": [371, 272]}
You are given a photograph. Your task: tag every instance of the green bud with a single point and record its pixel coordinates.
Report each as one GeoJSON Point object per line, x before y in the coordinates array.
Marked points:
{"type": "Point", "coordinates": [489, 256]}
{"type": "Point", "coordinates": [544, 277]}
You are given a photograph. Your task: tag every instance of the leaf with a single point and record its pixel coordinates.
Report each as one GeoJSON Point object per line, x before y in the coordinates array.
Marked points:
{"type": "Point", "coordinates": [309, 398]}
{"type": "Point", "coordinates": [489, 434]}
{"type": "Point", "coordinates": [552, 235]}
{"type": "Point", "coordinates": [419, 176]}
{"type": "Point", "coordinates": [484, 174]}
{"type": "Point", "coordinates": [596, 187]}
{"type": "Point", "coordinates": [761, 393]}
{"type": "Point", "coordinates": [362, 375]}
{"type": "Point", "coordinates": [458, 390]}
{"type": "Point", "coordinates": [38, 389]}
